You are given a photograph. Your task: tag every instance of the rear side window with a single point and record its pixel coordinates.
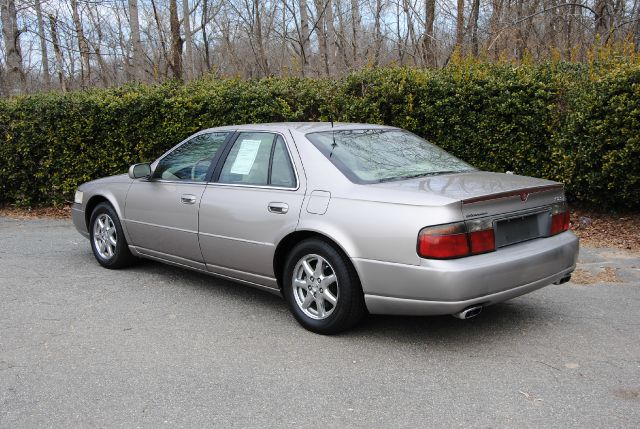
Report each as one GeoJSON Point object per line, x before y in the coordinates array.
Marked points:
{"type": "Point", "coordinates": [281, 169]}
{"type": "Point", "coordinates": [259, 159]}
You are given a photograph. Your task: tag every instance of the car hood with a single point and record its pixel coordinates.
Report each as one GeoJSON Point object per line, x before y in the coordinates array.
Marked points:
{"type": "Point", "coordinates": [447, 188]}
{"type": "Point", "coordinates": [120, 178]}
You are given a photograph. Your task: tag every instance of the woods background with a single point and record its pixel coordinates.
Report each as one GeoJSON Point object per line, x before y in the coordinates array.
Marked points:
{"type": "Point", "coordinates": [76, 44]}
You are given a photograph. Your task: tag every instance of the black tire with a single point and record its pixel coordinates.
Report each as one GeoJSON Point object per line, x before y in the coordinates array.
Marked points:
{"type": "Point", "coordinates": [349, 308]}
{"type": "Point", "coordinates": [122, 256]}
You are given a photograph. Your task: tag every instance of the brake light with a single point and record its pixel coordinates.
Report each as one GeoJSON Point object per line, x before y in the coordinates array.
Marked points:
{"type": "Point", "coordinates": [482, 241]}
{"type": "Point", "coordinates": [456, 240]}
{"type": "Point", "coordinates": [559, 219]}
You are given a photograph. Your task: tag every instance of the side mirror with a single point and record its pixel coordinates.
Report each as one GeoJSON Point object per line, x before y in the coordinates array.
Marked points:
{"type": "Point", "coordinates": [138, 171]}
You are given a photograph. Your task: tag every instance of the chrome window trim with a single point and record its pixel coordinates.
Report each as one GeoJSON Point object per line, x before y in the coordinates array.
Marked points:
{"type": "Point", "coordinates": [239, 185]}
{"type": "Point", "coordinates": [293, 164]}
{"type": "Point", "coordinates": [183, 182]}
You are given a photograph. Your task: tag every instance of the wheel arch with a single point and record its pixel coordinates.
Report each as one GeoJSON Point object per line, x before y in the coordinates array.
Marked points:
{"type": "Point", "coordinates": [93, 201]}
{"type": "Point", "coordinates": [288, 242]}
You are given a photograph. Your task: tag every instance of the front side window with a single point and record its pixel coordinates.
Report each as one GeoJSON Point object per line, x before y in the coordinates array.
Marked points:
{"type": "Point", "coordinates": [191, 160]}
{"type": "Point", "coordinates": [259, 159]}
{"type": "Point", "coordinates": [380, 155]}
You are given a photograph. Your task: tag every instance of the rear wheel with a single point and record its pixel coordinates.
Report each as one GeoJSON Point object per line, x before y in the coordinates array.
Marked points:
{"type": "Point", "coordinates": [322, 288]}
{"type": "Point", "coordinates": [107, 239]}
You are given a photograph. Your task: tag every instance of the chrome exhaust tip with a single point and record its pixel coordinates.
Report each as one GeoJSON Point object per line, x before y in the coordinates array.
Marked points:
{"type": "Point", "coordinates": [563, 280]}
{"type": "Point", "coordinates": [468, 312]}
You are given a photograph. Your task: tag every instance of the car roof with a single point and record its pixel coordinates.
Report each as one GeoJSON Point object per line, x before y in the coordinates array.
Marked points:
{"type": "Point", "coordinates": [303, 127]}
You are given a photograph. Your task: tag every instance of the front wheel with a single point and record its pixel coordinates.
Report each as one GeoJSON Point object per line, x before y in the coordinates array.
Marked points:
{"type": "Point", "coordinates": [107, 239]}
{"type": "Point", "coordinates": [322, 288]}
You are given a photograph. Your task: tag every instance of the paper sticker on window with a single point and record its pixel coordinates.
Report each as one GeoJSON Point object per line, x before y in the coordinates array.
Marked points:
{"type": "Point", "coordinates": [246, 156]}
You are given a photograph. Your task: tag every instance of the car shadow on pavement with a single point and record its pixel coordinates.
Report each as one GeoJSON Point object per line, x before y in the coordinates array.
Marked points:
{"type": "Point", "coordinates": [492, 325]}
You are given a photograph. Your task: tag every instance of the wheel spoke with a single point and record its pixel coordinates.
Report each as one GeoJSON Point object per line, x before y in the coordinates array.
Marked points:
{"type": "Point", "coordinates": [320, 307]}
{"type": "Point", "coordinates": [330, 297]}
{"type": "Point", "coordinates": [299, 283]}
{"type": "Point", "coordinates": [328, 280]}
{"type": "Point", "coordinates": [307, 268]}
{"type": "Point", "coordinates": [319, 268]}
{"type": "Point", "coordinates": [308, 299]}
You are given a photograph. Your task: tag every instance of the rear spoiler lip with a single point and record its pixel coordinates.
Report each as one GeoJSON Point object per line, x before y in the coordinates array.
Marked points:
{"type": "Point", "coordinates": [523, 193]}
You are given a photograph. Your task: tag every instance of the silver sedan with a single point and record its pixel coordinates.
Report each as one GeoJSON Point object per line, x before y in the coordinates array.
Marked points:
{"type": "Point", "coordinates": [339, 219]}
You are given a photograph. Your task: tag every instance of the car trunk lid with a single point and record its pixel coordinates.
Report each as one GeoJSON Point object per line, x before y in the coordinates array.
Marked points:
{"type": "Point", "coordinates": [517, 207]}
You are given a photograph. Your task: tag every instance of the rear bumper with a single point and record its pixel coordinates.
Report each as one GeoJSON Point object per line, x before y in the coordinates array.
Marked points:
{"type": "Point", "coordinates": [445, 287]}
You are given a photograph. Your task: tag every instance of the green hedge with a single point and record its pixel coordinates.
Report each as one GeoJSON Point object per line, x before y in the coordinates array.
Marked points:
{"type": "Point", "coordinates": [579, 124]}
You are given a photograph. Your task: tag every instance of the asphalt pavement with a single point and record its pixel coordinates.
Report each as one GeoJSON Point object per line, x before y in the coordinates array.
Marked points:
{"type": "Point", "coordinates": [154, 346]}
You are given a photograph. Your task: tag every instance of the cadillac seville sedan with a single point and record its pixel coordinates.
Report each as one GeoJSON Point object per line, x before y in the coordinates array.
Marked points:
{"type": "Point", "coordinates": [339, 219]}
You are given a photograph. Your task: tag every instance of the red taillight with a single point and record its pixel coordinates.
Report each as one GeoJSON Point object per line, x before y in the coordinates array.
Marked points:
{"type": "Point", "coordinates": [444, 246]}
{"type": "Point", "coordinates": [453, 241]}
{"type": "Point", "coordinates": [559, 222]}
{"type": "Point", "coordinates": [482, 241]}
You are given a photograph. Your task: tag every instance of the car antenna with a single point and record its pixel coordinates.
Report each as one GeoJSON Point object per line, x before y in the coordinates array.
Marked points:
{"type": "Point", "coordinates": [333, 137]}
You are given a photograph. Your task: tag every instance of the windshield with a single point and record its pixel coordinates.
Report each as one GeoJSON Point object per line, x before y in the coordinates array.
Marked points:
{"type": "Point", "coordinates": [379, 155]}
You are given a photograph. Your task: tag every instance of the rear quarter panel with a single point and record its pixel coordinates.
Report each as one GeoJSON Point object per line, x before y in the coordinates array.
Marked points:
{"type": "Point", "coordinates": [377, 230]}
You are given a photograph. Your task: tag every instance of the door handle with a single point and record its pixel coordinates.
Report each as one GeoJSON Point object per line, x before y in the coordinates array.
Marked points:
{"type": "Point", "coordinates": [280, 208]}
{"type": "Point", "coordinates": [188, 199]}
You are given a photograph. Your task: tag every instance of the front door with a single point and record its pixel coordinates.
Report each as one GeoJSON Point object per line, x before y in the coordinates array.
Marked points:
{"type": "Point", "coordinates": [253, 201]}
{"type": "Point", "coordinates": [161, 212]}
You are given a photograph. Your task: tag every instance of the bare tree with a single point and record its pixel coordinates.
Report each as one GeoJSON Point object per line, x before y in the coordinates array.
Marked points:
{"type": "Point", "coordinates": [136, 43]}
{"type": "Point", "coordinates": [428, 38]}
{"type": "Point", "coordinates": [188, 42]}
{"type": "Point", "coordinates": [83, 46]}
{"type": "Point", "coordinates": [176, 40]}
{"type": "Point", "coordinates": [11, 38]}
{"type": "Point", "coordinates": [460, 24]}
{"type": "Point", "coordinates": [473, 23]}
{"type": "Point", "coordinates": [111, 42]}
{"type": "Point", "coordinates": [305, 41]}
{"type": "Point", "coordinates": [43, 45]}
{"type": "Point", "coordinates": [58, 52]}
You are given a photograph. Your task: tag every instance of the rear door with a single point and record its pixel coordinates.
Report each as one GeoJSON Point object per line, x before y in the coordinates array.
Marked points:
{"type": "Point", "coordinates": [253, 201]}
{"type": "Point", "coordinates": [161, 212]}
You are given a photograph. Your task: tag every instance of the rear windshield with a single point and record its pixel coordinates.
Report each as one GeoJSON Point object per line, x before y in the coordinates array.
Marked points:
{"type": "Point", "coordinates": [375, 155]}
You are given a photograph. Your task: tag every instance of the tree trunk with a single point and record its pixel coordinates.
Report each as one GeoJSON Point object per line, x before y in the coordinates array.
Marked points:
{"type": "Point", "coordinates": [261, 59]}
{"type": "Point", "coordinates": [331, 38]}
{"type": "Point", "coordinates": [305, 42]}
{"type": "Point", "coordinates": [186, 18]}
{"type": "Point", "coordinates": [475, 13]}
{"type": "Point", "coordinates": [136, 43]}
{"type": "Point", "coordinates": [322, 35]}
{"type": "Point", "coordinates": [636, 28]}
{"type": "Point", "coordinates": [428, 40]}
{"type": "Point", "coordinates": [410, 30]}
{"type": "Point", "coordinates": [603, 17]}
{"type": "Point", "coordinates": [163, 44]}
{"type": "Point", "coordinates": [377, 33]}
{"type": "Point", "coordinates": [494, 25]}
{"type": "Point", "coordinates": [83, 46]}
{"type": "Point", "coordinates": [58, 52]}
{"type": "Point", "coordinates": [205, 41]}
{"type": "Point", "coordinates": [11, 35]}
{"type": "Point", "coordinates": [176, 40]}
{"type": "Point", "coordinates": [460, 25]}
{"type": "Point", "coordinates": [43, 45]}
{"type": "Point", "coordinates": [355, 29]}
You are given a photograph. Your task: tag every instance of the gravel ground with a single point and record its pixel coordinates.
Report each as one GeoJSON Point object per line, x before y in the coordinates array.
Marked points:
{"type": "Point", "coordinates": [81, 346]}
